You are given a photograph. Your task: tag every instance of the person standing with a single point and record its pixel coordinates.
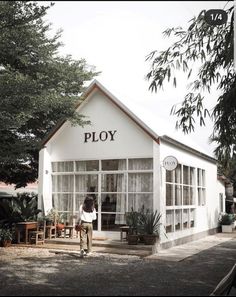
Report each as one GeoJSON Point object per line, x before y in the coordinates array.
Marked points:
{"type": "Point", "coordinates": [87, 214]}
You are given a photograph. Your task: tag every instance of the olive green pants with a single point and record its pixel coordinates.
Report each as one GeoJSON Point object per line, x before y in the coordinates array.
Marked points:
{"type": "Point", "coordinates": [86, 235]}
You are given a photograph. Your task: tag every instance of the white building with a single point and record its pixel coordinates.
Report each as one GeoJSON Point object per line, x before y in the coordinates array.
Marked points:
{"type": "Point", "coordinates": [120, 157]}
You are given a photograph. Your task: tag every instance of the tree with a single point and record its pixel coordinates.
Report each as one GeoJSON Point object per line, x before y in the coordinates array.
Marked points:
{"type": "Point", "coordinates": [213, 47]}
{"type": "Point", "coordinates": [38, 88]}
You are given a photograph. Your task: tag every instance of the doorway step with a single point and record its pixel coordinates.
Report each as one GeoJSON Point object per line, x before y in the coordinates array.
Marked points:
{"type": "Point", "coordinates": [101, 246]}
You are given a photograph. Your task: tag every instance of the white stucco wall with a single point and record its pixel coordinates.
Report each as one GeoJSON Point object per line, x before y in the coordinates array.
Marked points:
{"type": "Point", "coordinates": [129, 139]}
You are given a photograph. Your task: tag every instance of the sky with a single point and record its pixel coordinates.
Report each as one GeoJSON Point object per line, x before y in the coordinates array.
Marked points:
{"type": "Point", "coordinates": [116, 37]}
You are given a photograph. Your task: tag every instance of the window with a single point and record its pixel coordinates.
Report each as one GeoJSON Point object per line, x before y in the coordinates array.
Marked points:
{"type": "Point", "coordinates": [201, 189]}
{"type": "Point", "coordinates": [123, 183]}
{"type": "Point", "coordinates": [140, 183]}
{"type": "Point", "coordinates": [180, 198]}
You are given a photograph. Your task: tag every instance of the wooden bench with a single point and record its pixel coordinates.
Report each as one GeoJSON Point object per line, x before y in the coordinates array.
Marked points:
{"type": "Point", "coordinates": [226, 284]}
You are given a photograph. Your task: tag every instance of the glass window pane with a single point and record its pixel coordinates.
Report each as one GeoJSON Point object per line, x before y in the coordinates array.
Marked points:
{"type": "Point", "coordinates": [113, 203]}
{"type": "Point", "coordinates": [178, 195]}
{"type": "Point", "coordinates": [169, 221]}
{"type": "Point", "coordinates": [62, 183]}
{"type": "Point", "coordinates": [140, 182]}
{"type": "Point", "coordinates": [178, 175]}
{"type": "Point", "coordinates": [86, 183]}
{"type": "Point", "coordinates": [186, 195]}
{"type": "Point", "coordinates": [169, 176]}
{"type": "Point", "coordinates": [110, 165]}
{"type": "Point", "coordinates": [192, 176]}
{"type": "Point", "coordinates": [199, 177]}
{"type": "Point", "coordinates": [169, 195]}
{"type": "Point", "coordinates": [185, 218]}
{"type": "Point", "coordinates": [192, 218]}
{"type": "Point", "coordinates": [136, 201]}
{"type": "Point", "coordinates": [87, 165]}
{"type": "Point", "coordinates": [113, 183]}
{"type": "Point", "coordinates": [141, 164]}
{"type": "Point", "coordinates": [113, 211]}
{"type": "Point", "coordinates": [67, 166]}
{"type": "Point", "coordinates": [178, 219]}
{"type": "Point", "coordinates": [63, 202]}
{"type": "Point", "coordinates": [186, 175]}
{"type": "Point", "coordinates": [203, 178]}
{"type": "Point", "coordinates": [191, 197]}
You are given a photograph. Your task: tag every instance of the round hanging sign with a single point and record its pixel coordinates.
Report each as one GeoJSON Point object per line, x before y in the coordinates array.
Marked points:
{"type": "Point", "coordinates": [170, 163]}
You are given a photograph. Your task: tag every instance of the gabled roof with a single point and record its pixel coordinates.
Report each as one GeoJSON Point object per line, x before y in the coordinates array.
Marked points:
{"type": "Point", "coordinates": [95, 85]}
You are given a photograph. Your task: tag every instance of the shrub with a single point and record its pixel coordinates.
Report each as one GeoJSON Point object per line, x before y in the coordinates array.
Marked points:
{"type": "Point", "coordinates": [227, 219]}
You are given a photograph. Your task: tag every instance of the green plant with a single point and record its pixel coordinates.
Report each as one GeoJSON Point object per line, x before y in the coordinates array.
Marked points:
{"type": "Point", "coordinates": [22, 208]}
{"type": "Point", "coordinates": [55, 216]}
{"type": "Point", "coordinates": [132, 220]}
{"type": "Point", "coordinates": [227, 219]}
{"type": "Point", "coordinates": [6, 233]}
{"type": "Point", "coordinates": [150, 222]}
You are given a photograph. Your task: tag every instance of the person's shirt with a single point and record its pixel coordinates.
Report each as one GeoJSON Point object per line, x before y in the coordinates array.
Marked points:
{"type": "Point", "coordinates": [87, 216]}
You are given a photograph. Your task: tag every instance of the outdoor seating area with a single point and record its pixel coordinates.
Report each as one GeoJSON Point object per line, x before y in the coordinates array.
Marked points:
{"type": "Point", "coordinates": [36, 232]}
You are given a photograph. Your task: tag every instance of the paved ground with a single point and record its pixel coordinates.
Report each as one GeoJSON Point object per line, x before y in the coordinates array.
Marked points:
{"type": "Point", "coordinates": [40, 272]}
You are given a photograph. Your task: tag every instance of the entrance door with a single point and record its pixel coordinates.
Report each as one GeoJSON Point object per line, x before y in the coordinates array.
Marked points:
{"type": "Point", "coordinates": [113, 200]}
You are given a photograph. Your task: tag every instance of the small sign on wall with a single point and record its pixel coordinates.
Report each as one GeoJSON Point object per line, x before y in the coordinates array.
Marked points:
{"type": "Point", "coordinates": [170, 163]}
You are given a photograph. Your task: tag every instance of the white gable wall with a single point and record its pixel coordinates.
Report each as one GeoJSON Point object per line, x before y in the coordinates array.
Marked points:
{"type": "Point", "coordinates": [129, 139]}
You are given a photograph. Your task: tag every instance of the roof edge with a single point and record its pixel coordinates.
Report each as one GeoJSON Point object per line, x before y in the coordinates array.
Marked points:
{"type": "Point", "coordinates": [187, 148]}
{"type": "Point", "coordinates": [97, 85]}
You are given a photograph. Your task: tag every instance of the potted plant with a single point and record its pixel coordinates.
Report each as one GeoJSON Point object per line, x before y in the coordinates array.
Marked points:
{"type": "Point", "coordinates": [6, 236]}
{"type": "Point", "coordinates": [132, 220]}
{"type": "Point", "coordinates": [227, 222]}
{"type": "Point", "coordinates": [150, 222]}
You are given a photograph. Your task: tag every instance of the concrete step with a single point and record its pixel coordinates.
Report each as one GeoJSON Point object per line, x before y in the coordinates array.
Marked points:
{"type": "Point", "coordinates": [106, 246]}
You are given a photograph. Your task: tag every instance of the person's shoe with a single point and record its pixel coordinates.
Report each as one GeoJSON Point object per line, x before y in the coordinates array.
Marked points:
{"type": "Point", "coordinates": [83, 253]}
{"type": "Point", "coordinates": [89, 253]}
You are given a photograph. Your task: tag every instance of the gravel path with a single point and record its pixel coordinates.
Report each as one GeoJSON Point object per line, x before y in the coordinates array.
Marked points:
{"type": "Point", "coordinates": [39, 272]}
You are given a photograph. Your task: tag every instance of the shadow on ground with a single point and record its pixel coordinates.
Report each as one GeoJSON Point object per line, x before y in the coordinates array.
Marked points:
{"type": "Point", "coordinates": [104, 275]}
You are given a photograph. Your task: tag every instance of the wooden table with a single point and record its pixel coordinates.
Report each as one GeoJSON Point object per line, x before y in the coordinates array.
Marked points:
{"type": "Point", "coordinates": [25, 227]}
{"type": "Point", "coordinates": [71, 231]}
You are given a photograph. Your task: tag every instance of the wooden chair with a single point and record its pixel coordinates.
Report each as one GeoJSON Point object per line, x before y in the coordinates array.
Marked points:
{"type": "Point", "coordinates": [51, 231]}
{"type": "Point", "coordinates": [226, 284]}
{"type": "Point", "coordinates": [38, 236]}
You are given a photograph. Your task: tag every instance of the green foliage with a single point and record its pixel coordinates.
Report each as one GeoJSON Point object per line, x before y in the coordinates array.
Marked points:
{"type": "Point", "coordinates": [150, 221]}
{"type": "Point", "coordinates": [227, 219]}
{"type": "Point", "coordinates": [38, 88]}
{"type": "Point", "coordinates": [6, 233]}
{"type": "Point", "coordinates": [212, 47]}
{"type": "Point", "coordinates": [18, 209]}
{"type": "Point", "coordinates": [132, 220]}
{"type": "Point", "coordinates": [55, 216]}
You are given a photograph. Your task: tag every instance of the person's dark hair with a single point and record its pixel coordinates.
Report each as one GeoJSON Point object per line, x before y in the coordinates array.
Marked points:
{"type": "Point", "coordinates": [88, 205]}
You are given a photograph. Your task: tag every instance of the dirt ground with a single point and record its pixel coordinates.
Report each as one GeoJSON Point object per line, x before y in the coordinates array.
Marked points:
{"type": "Point", "coordinates": [40, 272]}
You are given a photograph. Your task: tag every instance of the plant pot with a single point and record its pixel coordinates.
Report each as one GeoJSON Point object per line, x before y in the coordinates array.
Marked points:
{"type": "Point", "coordinates": [6, 243]}
{"type": "Point", "coordinates": [141, 238]}
{"type": "Point", "coordinates": [227, 228]}
{"type": "Point", "coordinates": [132, 239]}
{"type": "Point", "coordinates": [150, 239]}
